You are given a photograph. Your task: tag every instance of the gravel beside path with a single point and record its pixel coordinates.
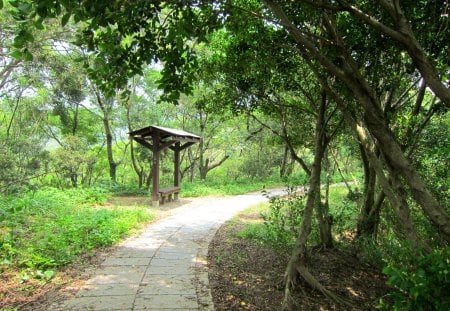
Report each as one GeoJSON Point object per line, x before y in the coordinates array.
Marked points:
{"type": "Point", "coordinates": [165, 267]}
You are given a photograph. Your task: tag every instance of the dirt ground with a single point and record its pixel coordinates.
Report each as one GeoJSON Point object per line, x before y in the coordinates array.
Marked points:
{"type": "Point", "coordinates": [245, 275]}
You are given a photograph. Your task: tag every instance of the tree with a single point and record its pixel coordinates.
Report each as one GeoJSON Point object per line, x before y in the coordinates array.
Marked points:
{"type": "Point", "coordinates": [142, 110]}
{"type": "Point", "coordinates": [73, 161]}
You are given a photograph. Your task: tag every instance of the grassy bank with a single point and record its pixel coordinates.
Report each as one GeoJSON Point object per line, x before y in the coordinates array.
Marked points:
{"type": "Point", "coordinates": [49, 228]}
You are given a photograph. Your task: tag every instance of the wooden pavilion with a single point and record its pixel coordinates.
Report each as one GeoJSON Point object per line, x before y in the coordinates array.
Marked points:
{"type": "Point", "coordinates": [158, 138]}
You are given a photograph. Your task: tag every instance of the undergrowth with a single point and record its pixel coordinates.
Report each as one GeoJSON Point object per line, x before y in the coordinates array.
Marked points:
{"type": "Point", "coordinates": [420, 281]}
{"type": "Point", "coordinates": [282, 218]}
{"type": "Point", "coordinates": [43, 230]}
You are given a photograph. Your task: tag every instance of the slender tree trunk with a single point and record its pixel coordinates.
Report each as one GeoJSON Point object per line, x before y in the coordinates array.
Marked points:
{"type": "Point", "coordinates": [404, 168]}
{"type": "Point", "coordinates": [109, 136]}
{"type": "Point", "coordinates": [396, 198]}
{"type": "Point", "coordinates": [13, 116]}
{"type": "Point", "coordinates": [75, 119]}
{"type": "Point", "coordinates": [7, 71]}
{"type": "Point", "coordinates": [191, 170]}
{"type": "Point", "coordinates": [405, 36]}
{"type": "Point", "coordinates": [202, 162]}
{"type": "Point", "coordinates": [375, 213]}
{"type": "Point", "coordinates": [298, 262]}
{"type": "Point", "coordinates": [109, 149]}
{"type": "Point", "coordinates": [284, 162]}
{"type": "Point", "coordinates": [74, 180]}
{"type": "Point", "coordinates": [324, 219]}
{"type": "Point", "coordinates": [366, 223]}
{"type": "Point", "coordinates": [203, 167]}
{"type": "Point", "coordinates": [299, 253]}
{"type": "Point", "coordinates": [149, 175]}
{"type": "Point", "coordinates": [138, 170]}
{"type": "Point", "coordinates": [285, 137]}
{"type": "Point", "coordinates": [336, 162]}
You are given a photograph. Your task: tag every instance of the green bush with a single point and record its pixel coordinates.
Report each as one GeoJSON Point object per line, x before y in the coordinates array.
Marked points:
{"type": "Point", "coordinates": [50, 228]}
{"type": "Point", "coordinates": [283, 219]}
{"type": "Point", "coordinates": [423, 282]}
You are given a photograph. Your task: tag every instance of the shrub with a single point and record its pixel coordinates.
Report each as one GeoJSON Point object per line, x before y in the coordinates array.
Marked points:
{"type": "Point", "coordinates": [283, 219]}
{"type": "Point", "coordinates": [423, 283]}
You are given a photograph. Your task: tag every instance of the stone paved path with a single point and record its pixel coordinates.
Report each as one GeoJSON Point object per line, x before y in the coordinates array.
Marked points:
{"type": "Point", "coordinates": [164, 268]}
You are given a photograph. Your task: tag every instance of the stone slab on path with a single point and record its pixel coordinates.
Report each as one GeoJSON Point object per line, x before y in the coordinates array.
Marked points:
{"type": "Point", "coordinates": [165, 267]}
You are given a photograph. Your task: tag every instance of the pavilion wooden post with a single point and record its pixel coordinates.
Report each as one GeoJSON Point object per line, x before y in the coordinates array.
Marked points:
{"type": "Point", "coordinates": [155, 169]}
{"type": "Point", "coordinates": [176, 173]}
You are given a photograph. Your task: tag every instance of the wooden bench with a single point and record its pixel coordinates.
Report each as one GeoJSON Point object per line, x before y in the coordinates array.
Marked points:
{"type": "Point", "coordinates": [170, 194]}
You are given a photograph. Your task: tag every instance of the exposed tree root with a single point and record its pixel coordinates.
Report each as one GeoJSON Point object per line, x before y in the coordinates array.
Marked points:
{"type": "Point", "coordinates": [291, 279]}
{"type": "Point", "coordinates": [312, 281]}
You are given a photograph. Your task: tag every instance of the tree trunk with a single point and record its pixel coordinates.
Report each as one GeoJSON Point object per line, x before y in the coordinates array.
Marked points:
{"type": "Point", "coordinates": [391, 150]}
{"type": "Point", "coordinates": [74, 180]}
{"type": "Point", "coordinates": [396, 198]}
{"type": "Point", "coordinates": [324, 219]}
{"type": "Point", "coordinates": [109, 136]}
{"type": "Point", "coordinates": [75, 119]}
{"type": "Point", "coordinates": [404, 35]}
{"type": "Point", "coordinates": [339, 169]}
{"type": "Point", "coordinates": [374, 215]}
{"type": "Point", "coordinates": [366, 223]}
{"type": "Point", "coordinates": [149, 175]}
{"type": "Point", "coordinates": [206, 168]}
{"type": "Point", "coordinates": [285, 137]}
{"type": "Point", "coordinates": [284, 162]}
{"type": "Point", "coordinates": [203, 167]}
{"type": "Point", "coordinates": [297, 265]}
{"type": "Point", "coordinates": [7, 71]}
{"type": "Point", "coordinates": [138, 170]}
{"type": "Point", "coordinates": [191, 170]}
{"type": "Point", "coordinates": [404, 168]}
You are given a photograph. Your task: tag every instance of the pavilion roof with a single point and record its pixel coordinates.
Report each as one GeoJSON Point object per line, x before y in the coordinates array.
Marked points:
{"type": "Point", "coordinates": [164, 132]}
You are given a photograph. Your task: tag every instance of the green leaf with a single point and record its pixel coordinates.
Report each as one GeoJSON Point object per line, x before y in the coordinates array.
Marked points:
{"type": "Point", "coordinates": [27, 55]}
{"type": "Point", "coordinates": [16, 54]}
{"type": "Point", "coordinates": [39, 23]}
{"type": "Point", "coordinates": [42, 11]}
{"type": "Point", "coordinates": [1, 4]}
{"type": "Point", "coordinates": [26, 36]}
{"type": "Point", "coordinates": [65, 19]}
{"type": "Point", "coordinates": [48, 274]}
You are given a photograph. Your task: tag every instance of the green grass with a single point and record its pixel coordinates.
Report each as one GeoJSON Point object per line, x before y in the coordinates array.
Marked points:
{"type": "Point", "coordinates": [49, 228]}
{"type": "Point", "coordinates": [256, 231]}
{"type": "Point", "coordinates": [220, 186]}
